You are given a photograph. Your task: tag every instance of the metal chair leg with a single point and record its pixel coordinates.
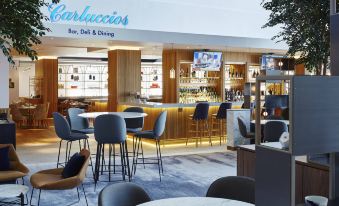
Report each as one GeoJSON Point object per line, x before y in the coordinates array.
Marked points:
{"type": "Point", "coordinates": [59, 154]}
{"type": "Point", "coordinates": [109, 162]}
{"type": "Point", "coordinates": [158, 159]}
{"type": "Point", "coordinates": [83, 189]}
{"type": "Point", "coordinates": [39, 197]}
{"type": "Point", "coordinates": [142, 154]}
{"type": "Point", "coordinates": [122, 162]}
{"type": "Point", "coordinates": [127, 158]}
{"type": "Point", "coordinates": [162, 168]}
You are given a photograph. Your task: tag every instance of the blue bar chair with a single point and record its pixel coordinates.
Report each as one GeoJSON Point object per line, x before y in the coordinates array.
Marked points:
{"type": "Point", "coordinates": [63, 131]}
{"type": "Point", "coordinates": [110, 129]}
{"type": "Point", "coordinates": [135, 125]}
{"type": "Point", "coordinates": [79, 124]}
{"type": "Point", "coordinates": [155, 134]}
{"type": "Point", "coordinates": [199, 120]}
{"type": "Point", "coordinates": [219, 119]}
{"type": "Point", "coordinates": [273, 130]}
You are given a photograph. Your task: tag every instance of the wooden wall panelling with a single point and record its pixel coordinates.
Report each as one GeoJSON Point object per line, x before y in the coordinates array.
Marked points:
{"type": "Point", "coordinates": [315, 181]}
{"type": "Point", "coordinates": [169, 60]}
{"type": "Point", "coordinates": [124, 69]}
{"type": "Point", "coordinates": [48, 70]}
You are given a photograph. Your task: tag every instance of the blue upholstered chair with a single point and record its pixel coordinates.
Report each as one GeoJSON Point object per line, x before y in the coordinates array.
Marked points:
{"type": "Point", "coordinates": [233, 188]}
{"type": "Point", "coordinates": [199, 122]}
{"type": "Point", "coordinates": [155, 134]}
{"type": "Point", "coordinates": [273, 130]}
{"type": "Point", "coordinates": [244, 132]}
{"type": "Point", "coordinates": [134, 125]}
{"type": "Point", "coordinates": [63, 131]}
{"type": "Point", "coordinates": [219, 119]}
{"type": "Point", "coordinates": [126, 194]}
{"type": "Point", "coordinates": [110, 129]}
{"type": "Point", "coordinates": [79, 124]}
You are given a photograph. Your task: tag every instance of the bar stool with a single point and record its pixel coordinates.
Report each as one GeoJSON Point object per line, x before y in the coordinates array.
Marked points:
{"type": "Point", "coordinates": [155, 134]}
{"type": "Point", "coordinates": [110, 129]}
{"type": "Point", "coordinates": [199, 120]}
{"type": "Point", "coordinates": [135, 125]}
{"type": "Point", "coordinates": [77, 123]}
{"type": "Point", "coordinates": [63, 131]}
{"type": "Point", "coordinates": [219, 119]}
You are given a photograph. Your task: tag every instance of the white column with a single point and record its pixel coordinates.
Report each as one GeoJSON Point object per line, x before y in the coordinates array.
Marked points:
{"type": "Point", "coordinates": [4, 77]}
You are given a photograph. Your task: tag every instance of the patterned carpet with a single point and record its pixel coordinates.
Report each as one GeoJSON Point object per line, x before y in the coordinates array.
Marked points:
{"type": "Point", "coordinates": [188, 175]}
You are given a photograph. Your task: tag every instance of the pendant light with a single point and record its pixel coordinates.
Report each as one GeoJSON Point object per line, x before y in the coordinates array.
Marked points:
{"type": "Point", "coordinates": [172, 70]}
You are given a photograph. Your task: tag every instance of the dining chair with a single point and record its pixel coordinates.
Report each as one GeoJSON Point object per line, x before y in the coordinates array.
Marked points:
{"type": "Point", "coordinates": [155, 134]}
{"type": "Point", "coordinates": [63, 131]}
{"type": "Point", "coordinates": [17, 116]}
{"type": "Point", "coordinates": [233, 187]}
{"type": "Point", "coordinates": [40, 115]}
{"type": "Point", "coordinates": [244, 132]}
{"type": "Point", "coordinates": [52, 179]}
{"type": "Point", "coordinates": [273, 130]}
{"type": "Point", "coordinates": [110, 129]}
{"type": "Point", "coordinates": [123, 194]}
{"type": "Point", "coordinates": [219, 119]}
{"type": "Point", "coordinates": [79, 124]}
{"type": "Point", "coordinates": [199, 120]}
{"type": "Point", "coordinates": [16, 170]}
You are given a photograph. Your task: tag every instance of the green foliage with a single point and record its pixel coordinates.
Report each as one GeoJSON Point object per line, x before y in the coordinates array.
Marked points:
{"type": "Point", "coordinates": [304, 27]}
{"type": "Point", "coordinates": [21, 26]}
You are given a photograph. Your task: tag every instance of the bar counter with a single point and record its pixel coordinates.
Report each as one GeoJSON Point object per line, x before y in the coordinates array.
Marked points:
{"type": "Point", "coordinates": [177, 117]}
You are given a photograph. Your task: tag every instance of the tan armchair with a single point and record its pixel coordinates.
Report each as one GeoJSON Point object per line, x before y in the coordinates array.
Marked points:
{"type": "Point", "coordinates": [52, 179]}
{"type": "Point", "coordinates": [17, 169]}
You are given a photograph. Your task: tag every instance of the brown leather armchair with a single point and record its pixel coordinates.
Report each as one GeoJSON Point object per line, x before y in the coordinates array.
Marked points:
{"type": "Point", "coordinates": [17, 169]}
{"type": "Point", "coordinates": [52, 179]}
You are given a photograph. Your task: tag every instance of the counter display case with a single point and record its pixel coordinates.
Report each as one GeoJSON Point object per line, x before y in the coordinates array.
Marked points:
{"type": "Point", "coordinates": [197, 85]}
{"type": "Point", "coordinates": [151, 80]}
{"type": "Point", "coordinates": [235, 77]}
{"type": "Point", "coordinates": [82, 80]}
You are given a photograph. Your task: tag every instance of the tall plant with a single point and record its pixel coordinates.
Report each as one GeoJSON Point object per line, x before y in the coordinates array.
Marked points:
{"type": "Point", "coordinates": [305, 28]}
{"type": "Point", "coordinates": [21, 26]}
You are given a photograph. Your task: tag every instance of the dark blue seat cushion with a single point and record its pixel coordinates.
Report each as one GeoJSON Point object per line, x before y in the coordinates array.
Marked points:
{"type": "Point", "coordinates": [133, 130]}
{"type": "Point", "coordinates": [73, 166]}
{"type": "Point", "coordinates": [4, 159]}
{"type": "Point", "coordinates": [77, 136]}
{"type": "Point", "coordinates": [149, 134]}
{"type": "Point", "coordinates": [89, 130]}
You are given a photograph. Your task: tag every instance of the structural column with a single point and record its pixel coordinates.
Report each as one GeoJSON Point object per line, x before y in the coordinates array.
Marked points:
{"type": "Point", "coordinates": [4, 77]}
{"type": "Point", "coordinates": [124, 76]}
{"type": "Point", "coordinates": [47, 69]}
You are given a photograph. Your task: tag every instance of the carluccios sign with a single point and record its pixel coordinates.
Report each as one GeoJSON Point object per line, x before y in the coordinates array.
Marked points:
{"type": "Point", "coordinates": [59, 12]}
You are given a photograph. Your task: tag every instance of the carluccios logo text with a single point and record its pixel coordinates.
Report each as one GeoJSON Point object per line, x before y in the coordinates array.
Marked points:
{"type": "Point", "coordinates": [59, 12]}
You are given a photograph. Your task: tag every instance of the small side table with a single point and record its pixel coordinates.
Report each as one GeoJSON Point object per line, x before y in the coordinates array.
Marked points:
{"type": "Point", "coordinates": [13, 191]}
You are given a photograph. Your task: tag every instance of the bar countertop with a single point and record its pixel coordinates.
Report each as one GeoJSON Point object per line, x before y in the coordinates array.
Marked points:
{"type": "Point", "coordinates": [171, 105]}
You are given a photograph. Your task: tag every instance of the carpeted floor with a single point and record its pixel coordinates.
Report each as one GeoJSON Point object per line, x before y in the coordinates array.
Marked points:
{"type": "Point", "coordinates": [188, 175]}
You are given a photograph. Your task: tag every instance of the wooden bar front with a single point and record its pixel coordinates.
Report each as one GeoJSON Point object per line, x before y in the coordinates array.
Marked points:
{"type": "Point", "coordinates": [177, 118]}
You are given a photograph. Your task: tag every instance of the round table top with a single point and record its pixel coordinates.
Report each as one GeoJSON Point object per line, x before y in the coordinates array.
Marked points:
{"type": "Point", "coordinates": [264, 121]}
{"type": "Point", "coordinates": [125, 115]}
{"type": "Point", "coordinates": [195, 201]}
{"type": "Point", "coordinates": [12, 190]}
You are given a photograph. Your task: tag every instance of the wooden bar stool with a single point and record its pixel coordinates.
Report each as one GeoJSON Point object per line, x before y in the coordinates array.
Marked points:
{"type": "Point", "coordinates": [199, 120]}
{"type": "Point", "coordinates": [218, 124]}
